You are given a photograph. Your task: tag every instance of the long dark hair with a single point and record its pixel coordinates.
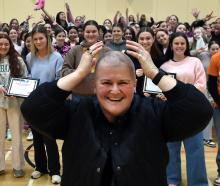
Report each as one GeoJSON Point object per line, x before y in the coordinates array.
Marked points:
{"type": "Point", "coordinates": [25, 50]}
{"type": "Point", "coordinates": [18, 38]}
{"type": "Point", "coordinates": [132, 33]}
{"type": "Point", "coordinates": [211, 43]}
{"type": "Point", "coordinates": [11, 21]}
{"type": "Point", "coordinates": [14, 64]}
{"type": "Point", "coordinates": [169, 53]}
{"type": "Point", "coordinates": [154, 52]}
{"type": "Point", "coordinates": [157, 43]}
{"type": "Point", "coordinates": [61, 22]}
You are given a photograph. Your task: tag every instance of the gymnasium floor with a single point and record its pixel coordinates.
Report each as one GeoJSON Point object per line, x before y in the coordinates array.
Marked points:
{"type": "Point", "coordinates": [9, 180]}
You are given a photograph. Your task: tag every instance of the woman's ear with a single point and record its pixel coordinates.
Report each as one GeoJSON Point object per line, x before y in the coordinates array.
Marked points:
{"type": "Point", "coordinates": [135, 84]}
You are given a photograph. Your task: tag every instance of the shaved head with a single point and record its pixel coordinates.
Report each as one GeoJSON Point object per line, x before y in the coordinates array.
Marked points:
{"type": "Point", "coordinates": [115, 59]}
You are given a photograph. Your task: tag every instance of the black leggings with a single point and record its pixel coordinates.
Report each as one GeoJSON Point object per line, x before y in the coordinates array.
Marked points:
{"type": "Point", "coordinates": [46, 158]}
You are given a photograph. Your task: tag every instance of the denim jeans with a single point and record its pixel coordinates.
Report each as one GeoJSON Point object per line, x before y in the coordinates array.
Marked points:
{"type": "Point", "coordinates": [195, 162]}
{"type": "Point", "coordinates": [207, 132]}
{"type": "Point", "coordinates": [216, 117]}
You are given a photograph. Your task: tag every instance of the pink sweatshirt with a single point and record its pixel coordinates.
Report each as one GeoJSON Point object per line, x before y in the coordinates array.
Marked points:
{"type": "Point", "coordinates": [189, 70]}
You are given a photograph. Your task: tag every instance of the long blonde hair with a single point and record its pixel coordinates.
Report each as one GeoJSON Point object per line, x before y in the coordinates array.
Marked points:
{"type": "Point", "coordinates": [40, 29]}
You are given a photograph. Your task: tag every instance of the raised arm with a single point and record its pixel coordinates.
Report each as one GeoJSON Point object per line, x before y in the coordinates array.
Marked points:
{"type": "Point", "coordinates": [50, 18]}
{"type": "Point", "coordinates": [166, 83]}
{"type": "Point", "coordinates": [27, 20]}
{"type": "Point", "coordinates": [138, 17]}
{"type": "Point", "coordinates": [46, 108]}
{"type": "Point", "coordinates": [69, 15]}
{"type": "Point", "coordinates": [209, 17]}
{"type": "Point", "coordinates": [126, 15]}
{"type": "Point", "coordinates": [115, 20]}
{"type": "Point", "coordinates": [195, 13]}
{"type": "Point", "coordinates": [69, 82]}
{"type": "Point", "coordinates": [186, 111]}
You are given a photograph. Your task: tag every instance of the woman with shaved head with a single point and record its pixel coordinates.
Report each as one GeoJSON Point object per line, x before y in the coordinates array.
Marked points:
{"type": "Point", "coordinates": [116, 138]}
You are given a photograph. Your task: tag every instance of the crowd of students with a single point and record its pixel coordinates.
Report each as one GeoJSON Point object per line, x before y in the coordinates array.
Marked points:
{"type": "Point", "coordinates": [53, 48]}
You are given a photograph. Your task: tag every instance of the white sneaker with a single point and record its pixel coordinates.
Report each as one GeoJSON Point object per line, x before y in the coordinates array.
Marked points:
{"type": "Point", "coordinates": [9, 136]}
{"type": "Point", "coordinates": [36, 174]}
{"type": "Point", "coordinates": [56, 179]}
{"type": "Point", "coordinates": [30, 136]}
{"type": "Point", "coordinates": [217, 181]}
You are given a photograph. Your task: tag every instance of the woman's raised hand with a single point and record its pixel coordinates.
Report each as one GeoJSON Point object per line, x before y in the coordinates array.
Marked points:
{"type": "Point", "coordinates": [144, 58]}
{"type": "Point", "coordinates": [88, 60]}
{"type": "Point", "coordinates": [84, 68]}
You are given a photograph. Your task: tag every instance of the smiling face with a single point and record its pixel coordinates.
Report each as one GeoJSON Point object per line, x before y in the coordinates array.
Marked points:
{"type": "Point", "coordinates": [179, 47]}
{"type": "Point", "coordinates": [28, 43]}
{"type": "Point", "coordinates": [60, 38]}
{"type": "Point", "coordinates": [14, 24]}
{"type": "Point", "coordinates": [197, 33]}
{"type": "Point", "coordinates": [128, 34]}
{"type": "Point", "coordinates": [214, 48]}
{"type": "Point", "coordinates": [181, 28]}
{"type": "Point", "coordinates": [173, 21]}
{"type": "Point", "coordinates": [62, 16]}
{"type": "Point", "coordinates": [91, 34]}
{"type": "Point", "coordinates": [78, 21]}
{"type": "Point", "coordinates": [13, 34]}
{"type": "Point", "coordinates": [162, 38]}
{"type": "Point", "coordinates": [108, 37]}
{"type": "Point", "coordinates": [146, 40]}
{"type": "Point", "coordinates": [48, 27]}
{"type": "Point", "coordinates": [114, 88]}
{"type": "Point", "coordinates": [131, 18]}
{"type": "Point", "coordinates": [4, 47]}
{"type": "Point", "coordinates": [73, 34]}
{"type": "Point", "coordinates": [117, 34]}
{"type": "Point", "coordinates": [163, 25]}
{"type": "Point", "coordinates": [107, 23]}
{"type": "Point", "coordinates": [216, 28]}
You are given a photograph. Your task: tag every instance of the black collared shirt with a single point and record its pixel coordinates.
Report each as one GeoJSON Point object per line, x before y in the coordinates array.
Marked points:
{"type": "Point", "coordinates": [108, 133]}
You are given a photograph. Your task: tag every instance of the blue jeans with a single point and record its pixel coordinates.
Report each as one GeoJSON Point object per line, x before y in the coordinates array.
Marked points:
{"type": "Point", "coordinates": [207, 132]}
{"type": "Point", "coordinates": [216, 117]}
{"type": "Point", "coordinates": [195, 162]}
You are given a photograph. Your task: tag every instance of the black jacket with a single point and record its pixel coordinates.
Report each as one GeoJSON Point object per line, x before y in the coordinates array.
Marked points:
{"type": "Point", "coordinates": [140, 156]}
